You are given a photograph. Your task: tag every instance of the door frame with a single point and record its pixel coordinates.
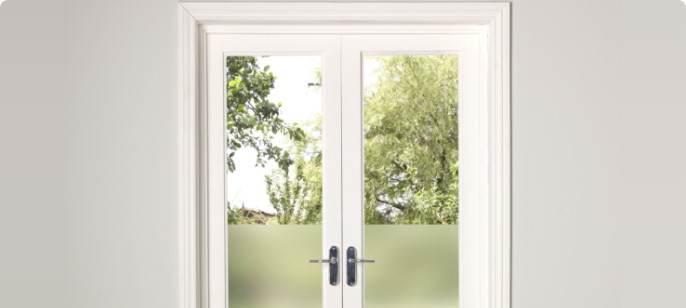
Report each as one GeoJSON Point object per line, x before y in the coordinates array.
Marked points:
{"type": "Point", "coordinates": [197, 19]}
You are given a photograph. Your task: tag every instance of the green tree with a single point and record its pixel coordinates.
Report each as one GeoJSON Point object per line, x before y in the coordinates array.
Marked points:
{"type": "Point", "coordinates": [252, 120]}
{"type": "Point", "coordinates": [411, 141]}
{"type": "Point", "coordinates": [296, 194]}
{"type": "Point", "coordinates": [410, 149]}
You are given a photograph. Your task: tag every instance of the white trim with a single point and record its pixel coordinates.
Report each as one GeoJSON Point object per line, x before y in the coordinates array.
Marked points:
{"type": "Point", "coordinates": [187, 149]}
{"type": "Point", "coordinates": [196, 19]}
{"type": "Point", "coordinates": [409, 13]}
{"type": "Point", "coordinates": [339, 29]}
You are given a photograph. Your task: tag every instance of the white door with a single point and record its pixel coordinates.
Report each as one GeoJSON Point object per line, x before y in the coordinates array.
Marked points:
{"type": "Point", "coordinates": [288, 98]}
{"type": "Point", "coordinates": [342, 148]}
{"type": "Point", "coordinates": [409, 103]}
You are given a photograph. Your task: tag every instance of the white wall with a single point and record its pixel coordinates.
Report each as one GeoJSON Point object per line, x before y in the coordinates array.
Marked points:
{"type": "Point", "coordinates": [652, 116]}
{"type": "Point", "coordinates": [88, 182]}
{"type": "Point", "coordinates": [120, 176]}
{"type": "Point", "coordinates": [32, 252]}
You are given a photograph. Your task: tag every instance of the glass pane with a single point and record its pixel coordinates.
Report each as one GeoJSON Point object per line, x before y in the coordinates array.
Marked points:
{"type": "Point", "coordinates": [411, 180]}
{"type": "Point", "coordinates": [417, 266]}
{"type": "Point", "coordinates": [268, 266]}
{"type": "Point", "coordinates": [274, 139]}
{"type": "Point", "coordinates": [274, 180]}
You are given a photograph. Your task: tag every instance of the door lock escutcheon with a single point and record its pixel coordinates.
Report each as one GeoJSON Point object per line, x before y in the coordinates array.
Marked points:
{"type": "Point", "coordinates": [333, 265]}
{"type": "Point", "coordinates": [351, 265]}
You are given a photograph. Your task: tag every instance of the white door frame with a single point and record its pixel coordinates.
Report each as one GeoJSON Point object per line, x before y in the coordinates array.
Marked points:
{"type": "Point", "coordinates": [196, 20]}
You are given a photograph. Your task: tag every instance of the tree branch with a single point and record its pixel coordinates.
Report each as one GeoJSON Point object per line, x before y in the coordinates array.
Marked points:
{"type": "Point", "coordinates": [395, 205]}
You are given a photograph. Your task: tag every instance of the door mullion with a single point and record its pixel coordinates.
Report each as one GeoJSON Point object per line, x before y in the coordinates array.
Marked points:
{"type": "Point", "coordinates": [353, 215]}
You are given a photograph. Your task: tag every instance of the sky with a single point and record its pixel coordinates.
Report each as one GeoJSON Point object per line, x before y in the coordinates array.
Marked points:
{"type": "Point", "coordinates": [246, 185]}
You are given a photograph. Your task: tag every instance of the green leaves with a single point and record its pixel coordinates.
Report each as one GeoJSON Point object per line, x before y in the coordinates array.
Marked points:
{"type": "Point", "coordinates": [411, 141]}
{"type": "Point", "coordinates": [252, 120]}
{"type": "Point", "coordinates": [295, 191]}
{"type": "Point", "coordinates": [234, 82]}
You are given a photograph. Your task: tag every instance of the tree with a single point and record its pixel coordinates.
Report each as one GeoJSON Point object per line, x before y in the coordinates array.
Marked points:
{"type": "Point", "coordinates": [296, 194]}
{"type": "Point", "coordinates": [411, 141]}
{"type": "Point", "coordinates": [252, 120]}
{"type": "Point", "coordinates": [410, 147]}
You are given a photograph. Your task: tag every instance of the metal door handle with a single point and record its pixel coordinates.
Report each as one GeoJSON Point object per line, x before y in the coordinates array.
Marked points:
{"type": "Point", "coordinates": [332, 261]}
{"type": "Point", "coordinates": [361, 261]}
{"type": "Point", "coordinates": [333, 265]}
{"type": "Point", "coordinates": [351, 266]}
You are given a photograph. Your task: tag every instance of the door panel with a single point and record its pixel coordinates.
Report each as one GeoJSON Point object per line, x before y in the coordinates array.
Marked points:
{"type": "Point", "coordinates": [274, 198]}
{"type": "Point", "coordinates": [402, 106]}
{"type": "Point", "coordinates": [411, 167]}
{"type": "Point", "coordinates": [274, 120]}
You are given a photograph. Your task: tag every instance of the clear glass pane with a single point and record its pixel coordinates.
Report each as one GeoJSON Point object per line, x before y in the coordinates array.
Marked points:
{"type": "Point", "coordinates": [411, 180]}
{"type": "Point", "coordinates": [274, 180]}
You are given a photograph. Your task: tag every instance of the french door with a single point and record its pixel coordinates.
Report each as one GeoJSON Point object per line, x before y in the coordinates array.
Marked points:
{"type": "Point", "coordinates": [343, 170]}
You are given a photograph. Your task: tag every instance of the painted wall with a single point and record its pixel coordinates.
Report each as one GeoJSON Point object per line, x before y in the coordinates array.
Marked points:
{"type": "Point", "coordinates": [120, 176]}
{"type": "Point", "coordinates": [87, 91]}
{"type": "Point", "coordinates": [32, 216]}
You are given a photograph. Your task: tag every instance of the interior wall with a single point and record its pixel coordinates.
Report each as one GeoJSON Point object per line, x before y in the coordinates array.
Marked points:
{"type": "Point", "coordinates": [31, 162]}
{"type": "Point", "coordinates": [88, 162]}
{"type": "Point", "coordinates": [120, 154]}
{"type": "Point", "coordinates": [651, 115]}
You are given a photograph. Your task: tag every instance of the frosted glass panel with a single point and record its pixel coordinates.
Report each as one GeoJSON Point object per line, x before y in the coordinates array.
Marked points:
{"type": "Point", "coordinates": [417, 266]}
{"type": "Point", "coordinates": [268, 266]}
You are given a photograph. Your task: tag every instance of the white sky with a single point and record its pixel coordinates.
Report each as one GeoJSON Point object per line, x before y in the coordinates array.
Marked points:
{"type": "Point", "coordinates": [246, 185]}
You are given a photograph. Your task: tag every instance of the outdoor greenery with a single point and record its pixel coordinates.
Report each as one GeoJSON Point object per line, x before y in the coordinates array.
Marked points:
{"type": "Point", "coordinates": [296, 194]}
{"type": "Point", "coordinates": [410, 143]}
{"type": "Point", "coordinates": [252, 120]}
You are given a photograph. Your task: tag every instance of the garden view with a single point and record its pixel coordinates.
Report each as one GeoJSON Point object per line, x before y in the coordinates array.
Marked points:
{"type": "Point", "coordinates": [410, 143]}
{"type": "Point", "coordinates": [274, 180]}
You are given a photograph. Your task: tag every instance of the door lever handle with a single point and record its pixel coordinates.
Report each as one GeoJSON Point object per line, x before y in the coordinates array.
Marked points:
{"type": "Point", "coordinates": [333, 265]}
{"type": "Point", "coordinates": [332, 261]}
{"type": "Point", "coordinates": [361, 261]}
{"type": "Point", "coordinates": [351, 265]}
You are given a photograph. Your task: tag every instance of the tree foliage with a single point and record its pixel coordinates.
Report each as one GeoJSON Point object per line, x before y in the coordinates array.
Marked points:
{"type": "Point", "coordinates": [410, 145]}
{"type": "Point", "coordinates": [296, 194]}
{"type": "Point", "coordinates": [252, 120]}
{"type": "Point", "coordinates": [411, 141]}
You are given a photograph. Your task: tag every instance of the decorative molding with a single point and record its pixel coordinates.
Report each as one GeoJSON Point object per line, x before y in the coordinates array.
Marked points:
{"type": "Point", "coordinates": [198, 19]}
{"type": "Point", "coordinates": [187, 159]}
{"type": "Point", "coordinates": [332, 13]}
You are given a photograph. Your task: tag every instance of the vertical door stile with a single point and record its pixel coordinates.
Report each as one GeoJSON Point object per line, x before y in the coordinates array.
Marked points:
{"type": "Point", "coordinates": [352, 166]}
{"type": "Point", "coordinates": [332, 194]}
